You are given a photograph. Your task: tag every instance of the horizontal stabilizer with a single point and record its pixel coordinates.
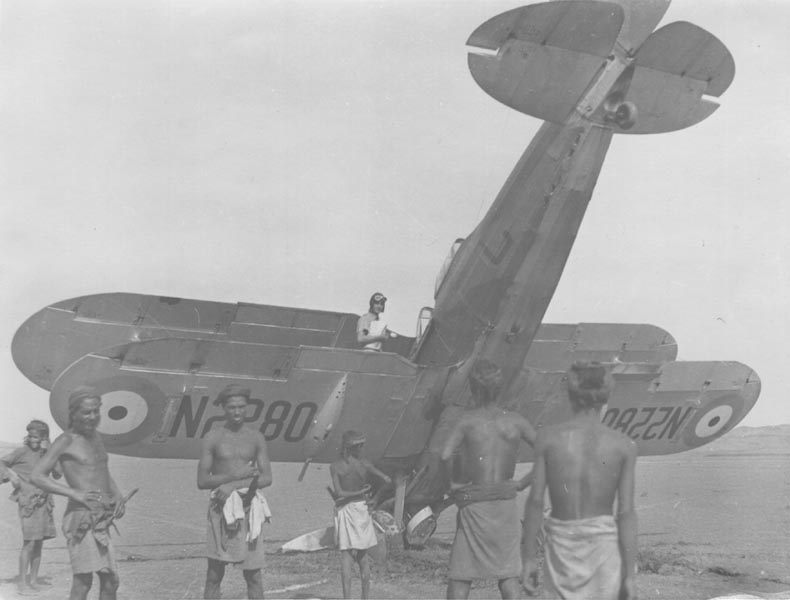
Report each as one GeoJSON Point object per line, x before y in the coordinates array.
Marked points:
{"type": "Point", "coordinates": [674, 69]}
{"type": "Point", "coordinates": [665, 408]}
{"type": "Point", "coordinates": [547, 54]}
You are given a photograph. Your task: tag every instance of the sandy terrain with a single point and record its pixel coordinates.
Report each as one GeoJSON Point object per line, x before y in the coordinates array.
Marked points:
{"type": "Point", "coordinates": [712, 522]}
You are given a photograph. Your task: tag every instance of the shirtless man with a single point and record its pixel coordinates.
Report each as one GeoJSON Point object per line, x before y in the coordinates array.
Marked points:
{"type": "Point", "coordinates": [234, 464]}
{"type": "Point", "coordinates": [94, 498]}
{"type": "Point", "coordinates": [586, 466]}
{"type": "Point", "coordinates": [487, 538]}
{"type": "Point", "coordinates": [35, 505]}
{"type": "Point", "coordinates": [354, 532]}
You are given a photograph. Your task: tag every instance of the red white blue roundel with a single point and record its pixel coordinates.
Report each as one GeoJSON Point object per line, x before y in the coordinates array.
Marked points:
{"type": "Point", "coordinates": [713, 419]}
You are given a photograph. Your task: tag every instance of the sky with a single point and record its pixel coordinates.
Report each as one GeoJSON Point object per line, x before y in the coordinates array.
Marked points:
{"type": "Point", "coordinates": [310, 153]}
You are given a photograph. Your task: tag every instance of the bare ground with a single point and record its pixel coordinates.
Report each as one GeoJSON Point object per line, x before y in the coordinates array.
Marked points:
{"type": "Point", "coordinates": [711, 523]}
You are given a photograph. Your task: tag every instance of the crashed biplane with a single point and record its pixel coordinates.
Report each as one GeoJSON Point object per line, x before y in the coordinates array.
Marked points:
{"type": "Point", "coordinates": [588, 69]}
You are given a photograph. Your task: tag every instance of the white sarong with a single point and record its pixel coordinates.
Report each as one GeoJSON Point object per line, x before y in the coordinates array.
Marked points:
{"type": "Point", "coordinates": [582, 558]}
{"type": "Point", "coordinates": [354, 527]}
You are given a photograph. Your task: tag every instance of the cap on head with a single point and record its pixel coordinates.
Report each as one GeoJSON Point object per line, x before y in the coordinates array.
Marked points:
{"type": "Point", "coordinates": [234, 389]}
{"type": "Point", "coordinates": [485, 379]}
{"type": "Point", "coordinates": [81, 393]}
{"type": "Point", "coordinates": [353, 438]}
{"type": "Point", "coordinates": [377, 298]}
{"type": "Point", "coordinates": [39, 427]}
{"type": "Point", "coordinates": [589, 384]}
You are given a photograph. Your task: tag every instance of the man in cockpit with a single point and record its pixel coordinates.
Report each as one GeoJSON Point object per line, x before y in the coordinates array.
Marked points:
{"type": "Point", "coordinates": [371, 328]}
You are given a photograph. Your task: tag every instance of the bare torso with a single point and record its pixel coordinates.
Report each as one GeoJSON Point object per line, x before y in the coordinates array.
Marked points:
{"type": "Point", "coordinates": [351, 473]}
{"type": "Point", "coordinates": [232, 451]}
{"type": "Point", "coordinates": [584, 462]}
{"type": "Point", "coordinates": [84, 464]}
{"type": "Point", "coordinates": [489, 446]}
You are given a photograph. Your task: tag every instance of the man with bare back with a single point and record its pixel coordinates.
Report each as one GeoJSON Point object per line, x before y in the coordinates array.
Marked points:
{"type": "Point", "coordinates": [354, 529]}
{"type": "Point", "coordinates": [94, 498]}
{"type": "Point", "coordinates": [586, 466]}
{"type": "Point", "coordinates": [234, 465]}
{"type": "Point", "coordinates": [487, 538]}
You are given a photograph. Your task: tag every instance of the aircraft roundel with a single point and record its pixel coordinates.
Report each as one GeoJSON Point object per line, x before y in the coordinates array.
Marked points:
{"type": "Point", "coordinates": [131, 409]}
{"type": "Point", "coordinates": [713, 419]}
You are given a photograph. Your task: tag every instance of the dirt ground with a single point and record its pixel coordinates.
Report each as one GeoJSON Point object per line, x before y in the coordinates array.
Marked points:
{"type": "Point", "coordinates": [712, 522]}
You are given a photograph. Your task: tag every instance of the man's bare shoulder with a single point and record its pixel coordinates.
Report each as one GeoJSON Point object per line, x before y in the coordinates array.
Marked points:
{"type": "Point", "coordinates": [63, 441]}
{"type": "Point", "coordinates": [516, 417]}
{"type": "Point", "coordinates": [212, 435]}
{"type": "Point", "coordinates": [619, 440]}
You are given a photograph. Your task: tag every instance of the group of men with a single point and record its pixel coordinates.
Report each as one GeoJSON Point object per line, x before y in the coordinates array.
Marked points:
{"type": "Point", "coordinates": [587, 468]}
{"type": "Point", "coordinates": [234, 465]}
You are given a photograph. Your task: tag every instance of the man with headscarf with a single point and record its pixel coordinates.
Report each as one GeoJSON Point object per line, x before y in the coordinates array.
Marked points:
{"type": "Point", "coordinates": [487, 538]}
{"type": "Point", "coordinates": [354, 529]}
{"type": "Point", "coordinates": [35, 505]}
{"type": "Point", "coordinates": [94, 498]}
{"type": "Point", "coordinates": [586, 466]}
{"type": "Point", "coordinates": [234, 465]}
{"type": "Point", "coordinates": [371, 327]}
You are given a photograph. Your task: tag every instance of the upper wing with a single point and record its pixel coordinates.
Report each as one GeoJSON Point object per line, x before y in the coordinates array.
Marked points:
{"type": "Point", "coordinates": [55, 337]}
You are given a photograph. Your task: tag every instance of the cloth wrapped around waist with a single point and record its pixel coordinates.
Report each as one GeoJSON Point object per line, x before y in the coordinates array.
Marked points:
{"type": "Point", "coordinates": [583, 557]}
{"type": "Point", "coordinates": [469, 494]}
{"type": "Point", "coordinates": [354, 529]}
{"type": "Point", "coordinates": [97, 517]}
{"type": "Point", "coordinates": [239, 505]}
{"type": "Point", "coordinates": [30, 498]}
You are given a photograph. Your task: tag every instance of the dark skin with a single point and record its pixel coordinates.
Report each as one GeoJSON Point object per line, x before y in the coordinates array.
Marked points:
{"type": "Point", "coordinates": [586, 467]}
{"type": "Point", "coordinates": [348, 481]}
{"type": "Point", "coordinates": [30, 555]}
{"type": "Point", "coordinates": [83, 461]}
{"type": "Point", "coordinates": [232, 457]}
{"type": "Point", "coordinates": [489, 438]}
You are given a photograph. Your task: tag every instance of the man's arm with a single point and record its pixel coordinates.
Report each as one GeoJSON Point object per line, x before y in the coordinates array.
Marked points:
{"type": "Point", "coordinates": [533, 519]}
{"type": "Point", "coordinates": [528, 434]}
{"type": "Point", "coordinates": [7, 473]}
{"type": "Point", "coordinates": [339, 491]}
{"type": "Point", "coordinates": [380, 474]}
{"type": "Point", "coordinates": [264, 465]}
{"type": "Point", "coordinates": [40, 474]}
{"type": "Point", "coordinates": [454, 440]}
{"type": "Point", "coordinates": [364, 336]}
{"type": "Point", "coordinates": [627, 522]}
{"type": "Point", "coordinates": [207, 479]}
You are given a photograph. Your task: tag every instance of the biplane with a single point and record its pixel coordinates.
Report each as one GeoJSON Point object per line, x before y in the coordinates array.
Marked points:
{"type": "Point", "coordinates": [589, 70]}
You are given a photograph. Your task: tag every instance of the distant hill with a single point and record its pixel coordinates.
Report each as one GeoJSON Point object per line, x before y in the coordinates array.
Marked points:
{"type": "Point", "coordinates": [770, 439]}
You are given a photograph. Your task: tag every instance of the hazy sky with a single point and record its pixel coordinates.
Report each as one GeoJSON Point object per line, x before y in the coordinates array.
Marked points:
{"type": "Point", "coordinates": [310, 153]}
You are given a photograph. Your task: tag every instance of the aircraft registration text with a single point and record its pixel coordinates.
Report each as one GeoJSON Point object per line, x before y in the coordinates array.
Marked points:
{"type": "Point", "coordinates": [649, 422]}
{"type": "Point", "coordinates": [278, 419]}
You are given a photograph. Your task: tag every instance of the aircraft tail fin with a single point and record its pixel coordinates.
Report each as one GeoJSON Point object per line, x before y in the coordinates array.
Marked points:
{"type": "Point", "coordinates": [674, 69]}
{"type": "Point", "coordinates": [546, 54]}
{"type": "Point", "coordinates": [544, 59]}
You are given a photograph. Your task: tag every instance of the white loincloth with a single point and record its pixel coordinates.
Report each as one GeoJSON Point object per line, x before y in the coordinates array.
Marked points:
{"type": "Point", "coordinates": [354, 527]}
{"type": "Point", "coordinates": [582, 558]}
